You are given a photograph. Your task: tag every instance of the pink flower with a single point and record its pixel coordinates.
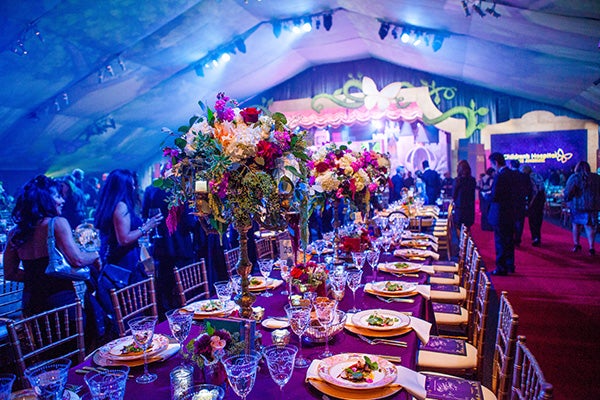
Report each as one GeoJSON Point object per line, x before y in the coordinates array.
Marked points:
{"type": "Point", "coordinates": [372, 187]}
{"type": "Point", "coordinates": [173, 218]}
{"type": "Point", "coordinates": [269, 153]}
{"type": "Point", "coordinates": [217, 343]}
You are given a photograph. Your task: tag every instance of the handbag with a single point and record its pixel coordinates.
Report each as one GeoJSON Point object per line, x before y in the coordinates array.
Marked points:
{"type": "Point", "coordinates": [58, 266]}
{"type": "Point", "coordinates": [114, 277]}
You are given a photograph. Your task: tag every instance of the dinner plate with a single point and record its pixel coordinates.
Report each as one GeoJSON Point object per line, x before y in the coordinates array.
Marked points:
{"type": "Point", "coordinates": [112, 350]}
{"type": "Point", "coordinates": [400, 267]}
{"type": "Point", "coordinates": [350, 327]}
{"type": "Point", "coordinates": [211, 307]}
{"type": "Point", "coordinates": [257, 283]}
{"type": "Point", "coordinates": [403, 287]}
{"type": "Point", "coordinates": [275, 323]}
{"type": "Point", "coordinates": [412, 254]}
{"type": "Point", "coordinates": [361, 318]}
{"type": "Point", "coordinates": [330, 370]}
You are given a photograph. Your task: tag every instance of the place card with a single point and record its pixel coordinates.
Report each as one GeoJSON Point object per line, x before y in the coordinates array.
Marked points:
{"type": "Point", "coordinates": [445, 288]}
{"type": "Point", "coordinates": [438, 344]}
{"type": "Point", "coordinates": [446, 308]}
{"type": "Point", "coordinates": [452, 388]}
{"type": "Point", "coordinates": [443, 275]}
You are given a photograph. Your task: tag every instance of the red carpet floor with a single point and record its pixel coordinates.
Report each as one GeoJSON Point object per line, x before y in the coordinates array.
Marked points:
{"type": "Point", "coordinates": [557, 296]}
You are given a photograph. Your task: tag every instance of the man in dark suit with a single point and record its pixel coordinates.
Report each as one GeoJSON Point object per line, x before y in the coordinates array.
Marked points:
{"type": "Point", "coordinates": [433, 183]}
{"type": "Point", "coordinates": [397, 184]}
{"type": "Point", "coordinates": [501, 214]}
{"type": "Point", "coordinates": [522, 189]}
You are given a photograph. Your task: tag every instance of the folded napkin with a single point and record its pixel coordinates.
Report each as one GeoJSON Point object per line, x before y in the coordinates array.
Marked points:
{"type": "Point", "coordinates": [428, 269]}
{"type": "Point", "coordinates": [417, 253]}
{"type": "Point", "coordinates": [273, 283]}
{"type": "Point", "coordinates": [422, 328]}
{"type": "Point", "coordinates": [169, 352]}
{"type": "Point", "coordinates": [412, 381]}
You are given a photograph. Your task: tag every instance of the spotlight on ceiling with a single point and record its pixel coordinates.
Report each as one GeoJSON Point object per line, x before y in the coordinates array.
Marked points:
{"type": "Point", "coordinates": [240, 45]}
{"type": "Point", "coordinates": [405, 37]}
{"type": "Point", "coordinates": [437, 42]}
{"type": "Point", "coordinates": [478, 10]}
{"type": "Point", "coordinates": [199, 70]}
{"type": "Point", "coordinates": [417, 40]}
{"type": "Point", "coordinates": [327, 21]}
{"type": "Point", "coordinates": [492, 11]}
{"type": "Point", "coordinates": [306, 27]}
{"type": "Point", "coordinates": [276, 28]}
{"type": "Point", "coordinates": [383, 30]}
{"type": "Point", "coordinates": [395, 32]}
{"type": "Point", "coordinates": [465, 7]}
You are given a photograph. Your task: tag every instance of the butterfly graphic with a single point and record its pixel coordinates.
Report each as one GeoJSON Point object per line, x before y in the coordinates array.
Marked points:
{"type": "Point", "coordinates": [563, 157]}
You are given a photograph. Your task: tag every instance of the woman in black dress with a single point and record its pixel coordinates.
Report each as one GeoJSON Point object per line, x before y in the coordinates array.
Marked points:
{"type": "Point", "coordinates": [463, 194]}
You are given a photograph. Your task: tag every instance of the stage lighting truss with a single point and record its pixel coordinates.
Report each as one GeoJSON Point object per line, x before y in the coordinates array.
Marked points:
{"type": "Point", "coordinates": [412, 35]}
{"type": "Point", "coordinates": [477, 6]}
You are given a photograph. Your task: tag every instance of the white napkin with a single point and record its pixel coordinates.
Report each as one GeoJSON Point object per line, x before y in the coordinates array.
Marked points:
{"type": "Point", "coordinates": [412, 381]}
{"type": "Point", "coordinates": [428, 269]}
{"type": "Point", "coordinates": [424, 290]}
{"type": "Point", "coordinates": [169, 352]}
{"type": "Point", "coordinates": [417, 252]}
{"type": "Point", "coordinates": [273, 283]}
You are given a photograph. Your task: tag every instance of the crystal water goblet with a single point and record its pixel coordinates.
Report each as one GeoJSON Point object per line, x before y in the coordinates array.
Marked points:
{"type": "Point", "coordinates": [142, 330]}
{"type": "Point", "coordinates": [265, 267]}
{"type": "Point", "coordinates": [326, 311]}
{"type": "Point", "coordinates": [338, 283]}
{"type": "Point", "coordinates": [319, 246]}
{"type": "Point", "coordinates": [48, 378]}
{"type": "Point", "coordinates": [373, 260]}
{"type": "Point", "coordinates": [108, 383]}
{"type": "Point", "coordinates": [386, 242]}
{"type": "Point", "coordinates": [241, 372]}
{"type": "Point", "coordinates": [299, 317]}
{"type": "Point", "coordinates": [180, 323]}
{"type": "Point", "coordinates": [285, 270]}
{"type": "Point", "coordinates": [354, 277]}
{"type": "Point", "coordinates": [236, 283]}
{"type": "Point", "coordinates": [224, 292]}
{"type": "Point", "coordinates": [359, 257]}
{"type": "Point", "coordinates": [280, 361]}
{"type": "Point", "coordinates": [6, 383]}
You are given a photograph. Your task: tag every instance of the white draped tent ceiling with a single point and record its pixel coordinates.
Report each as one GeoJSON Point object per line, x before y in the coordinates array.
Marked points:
{"type": "Point", "coordinates": [61, 107]}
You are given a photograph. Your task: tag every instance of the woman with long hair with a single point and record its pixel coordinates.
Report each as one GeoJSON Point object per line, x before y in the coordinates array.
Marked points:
{"type": "Point", "coordinates": [119, 224]}
{"type": "Point", "coordinates": [582, 193]}
{"type": "Point", "coordinates": [37, 203]}
{"type": "Point", "coordinates": [463, 193]}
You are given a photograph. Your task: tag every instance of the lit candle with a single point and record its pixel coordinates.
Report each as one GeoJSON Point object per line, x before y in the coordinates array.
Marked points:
{"type": "Point", "coordinates": [201, 186]}
{"type": "Point", "coordinates": [182, 379]}
{"type": "Point", "coordinates": [280, 337]}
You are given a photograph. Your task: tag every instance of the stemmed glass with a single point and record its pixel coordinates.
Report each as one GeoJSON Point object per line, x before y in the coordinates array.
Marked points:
{"type": "Point", "coordinates": [386, 242]}
{"type": "Point", "coordinates": [354, 277]}
{"type": "Point", "coordinates": [299, 317]}
{"type": "Point", "coordinates": [280, 361]}
{"type": "Point", "coordinates": [142, 330]}
{"type": "Point", "coordinates": [6, 383]}
{"type": "Point", "coordinates": [287, 278]}
{"type": "Point", "coordinates": [236, 283]}
{"type": "Point", "coordinates": [151, 213]}
{"type": "Point", "coordinates": [359, 257]}
{"type": "Point", "coordinates": [180, 323]}
{"type": "Point", "coordinates": [326, 311]}
{"type": "Point", "coordinates": [320, 245]}
{"type": "Point", "coordinates": [266, 266]}
{"type": "Point", "coordinates": [224, 291]}
{"type": "Point", "coordinates": [338, 283]}
{"type": "Point", "coordinates": [373, 260]}
{"type": "Point", "coordinates": [49, 378]}
{"type": "Point", "coordinates": [241, 372]}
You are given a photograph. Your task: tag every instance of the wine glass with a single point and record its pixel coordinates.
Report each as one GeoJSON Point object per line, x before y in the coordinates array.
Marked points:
{"type": "Point", "coordinates": [142, 330]}
{"type": "Point", "coordinates": [224, 292]}
{"type": "Point", "coordinates": [359, 257]}
{"type": "Point", "coordinates": [241, 372]}
{"type": "Point", "coordinates": [373, 260]}
{"type": "Point", "coordinates": [151, 213]}
{"type": "Point", "coordinates": [326, 312]}
{"type": "Point", "coordinates": [180, 323]}
{"type": "Point", "coordinates": [280, 361]}
{"type": "Point", "coordinates": [299, 317]}
{"type": "Point", "coordinates": [338, 283]}
{"type": "Point", "coordinates": [266, 266]}
{"type": "Point", "coordinates": [286, 276]}
{"type": "Point", "coordinates": [320, 245]}
{"type": "Point", "coordinates": [386, 243]}
{"type": "Point", "coordinates": [48, 378]}
{"type": "Point", "coordinates": [354, 277]}
{"type": "Point", "coordinates": [236, 283]}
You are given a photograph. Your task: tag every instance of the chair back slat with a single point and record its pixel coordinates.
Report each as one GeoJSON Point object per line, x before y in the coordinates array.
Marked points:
{"type": "Point", "coordinates": [504, 352]}
{"type": "Point", "coordinates": [132, 301]}
{"type": "Point", "coordinates": [191, 282]}
{"type": "Point", "coordinates": [528, 379]}
{"type": "Point", "coordinates": [51, 334]}
{"type": "Point", "coordinates": [479, 321]}
{"type": "Point", "coordinates": [470, 283]}
{"type": "Point", "coordinates": [264, 249]}
{"type": "Point", "coordinates": [231, 259]}
{"type": "Point", "coordinates": [11, 294]}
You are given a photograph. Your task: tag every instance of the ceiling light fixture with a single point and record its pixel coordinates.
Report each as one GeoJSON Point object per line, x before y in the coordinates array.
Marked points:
{"type": "Point", "coordinates": [384, 29]}
{"type": "Point", "coordinates": [327, 21]}
{"type": "Point", "coordinates": [465, 7]}
{"type": "Point", "coordinates": [478, 10]}
{"type": "Point", "coordinates": [492, 11]}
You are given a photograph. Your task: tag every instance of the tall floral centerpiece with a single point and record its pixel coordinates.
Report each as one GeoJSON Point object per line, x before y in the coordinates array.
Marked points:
{"type": "Point", "coordinates": [235, 165]}
{"type": "Point", "coordinates": [338, 173]}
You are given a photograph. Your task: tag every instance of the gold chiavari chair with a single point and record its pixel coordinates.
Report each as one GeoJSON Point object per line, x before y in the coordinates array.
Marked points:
{"type": "Point", "coordinates": [471, 363]}
{"type": "Point", "coordinates": [504, 351]}
{"type": "Point", "coordinates": [51, 334]}
{"type": "Point", "coordinates": [264, 249]}
{"type": "Point", "coordinates": [135, 300]}
{"type": "Point", "coordinates": [445, 236]}
{"type": "Point", "coordinates": [231, 259]}
{"type": "Point", "coordinates": [456, 267]}
{"type": "Point", "coordinates": [191, 282]}
{"type": "Point", "coordinates": [528, 381]}
{"type": "Point", "coordinates": [11, 305]}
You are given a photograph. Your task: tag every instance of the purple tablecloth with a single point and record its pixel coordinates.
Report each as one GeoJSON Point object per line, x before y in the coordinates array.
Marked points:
{"type": "Point", "coordinates": [296, 387]}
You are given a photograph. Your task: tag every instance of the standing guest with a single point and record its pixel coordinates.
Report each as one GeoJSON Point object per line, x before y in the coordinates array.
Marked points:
{"type": "Point", "coordinates": [74, 209]}
{"type": "Point", "coordinates": [170, 247]}
{"type": "Point", "coordinates": [582, 193]}
{"type": "Point", "coordinates": [37, 203]}
{"type": "Point", "coordinates": [447, 184]}
{"type": "Point", "coordinates": [120, 229]}
{"type": "Point", "coordinates": [78, 177]}
{"type": "Point", "coordinates": [397, 184]}
{"type": "Point", "coordinates": [522, 189]}
{"type": "Point", "coordinates": [501, 215]}
{"type": "Point", "coordinates": [535, 208]}
{"type": "Point", "coordinates": [463, 194]}
{"type": "Point", "coordinates": [409, 181]}
{"type": "Point", "coordinates": [432, 182]}
{"type": "Point", "coordinates": [485, 191]}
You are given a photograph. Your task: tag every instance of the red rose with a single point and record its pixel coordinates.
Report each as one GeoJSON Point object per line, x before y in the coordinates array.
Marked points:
{"type": "Point", "coordinates": [296, 273]}
{"type": "Point", "coordinates": [250, 115]}
{"type": "Point", "coordinates": [269, 153]}
{"type": "Point", "coordinates": [321, 167]}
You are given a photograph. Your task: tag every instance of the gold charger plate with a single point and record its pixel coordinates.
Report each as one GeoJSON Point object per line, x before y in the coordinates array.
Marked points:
{"type": "Point", "coordinates": [353, 394]}
{"type": "Point", "coordinates": [398, 268]}
{"type": "Point", "coordinates": [376, 293]}
{"type": "Point", "coordinates": [102, 361]}
{"type": "Point", "coordinates": [382, 334]}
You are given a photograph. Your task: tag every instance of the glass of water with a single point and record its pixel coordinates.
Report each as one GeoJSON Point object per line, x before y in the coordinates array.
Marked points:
{"type": "Point", "coordinates": [224, 292]}
{"type": "Point", "coordinates": [108, 384]}
{"type": "Point", "coordinates": [49, 378]}
{"type": "Point", "coordinates": [180, 323]}
{"type": "Point", "coordinates": [241, 372]}
{"type": "Point", "coordinates": [353, 279]}
{"type": "Point", "coordinates": [142, 329]}
{"type": "Point", "coordinates": [280, 361]}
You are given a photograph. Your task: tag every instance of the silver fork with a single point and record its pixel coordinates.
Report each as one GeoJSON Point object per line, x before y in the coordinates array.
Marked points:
{"type": "Point", "coordinates": [383, 341]}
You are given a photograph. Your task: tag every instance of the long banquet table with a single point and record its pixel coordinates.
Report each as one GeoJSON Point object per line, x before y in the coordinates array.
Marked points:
{"type": "Point", "coordinates": [296, 388]}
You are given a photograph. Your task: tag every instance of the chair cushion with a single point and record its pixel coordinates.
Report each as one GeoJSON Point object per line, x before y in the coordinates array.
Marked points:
{"type": "Point", "coordinates": [449, 297]}
{"type": "Point", "coordinates": [446, 267]}
{"type": "Point", "coordinates": [452, 319]}
{"type": "Point", "coordinates": [450, 362]}
{"type": "Point", "coordinates": [445, 281]}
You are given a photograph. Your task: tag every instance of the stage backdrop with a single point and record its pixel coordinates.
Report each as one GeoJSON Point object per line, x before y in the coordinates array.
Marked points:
{"type": "Point", "coordinates": [543, 151]}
